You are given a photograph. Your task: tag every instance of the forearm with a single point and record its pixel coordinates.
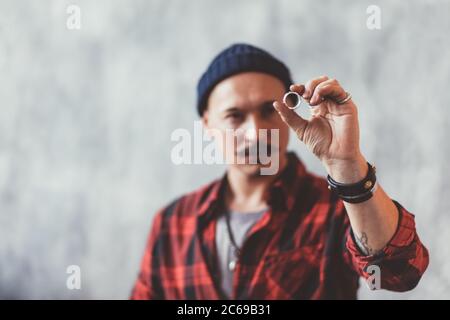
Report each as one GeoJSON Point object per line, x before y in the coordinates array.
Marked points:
{"type": "Point", "coordinates": [374, 221]}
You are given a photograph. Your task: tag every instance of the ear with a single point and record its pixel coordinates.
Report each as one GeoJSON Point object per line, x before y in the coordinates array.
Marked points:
{"type": "Point", "coordinates": [205, 123]}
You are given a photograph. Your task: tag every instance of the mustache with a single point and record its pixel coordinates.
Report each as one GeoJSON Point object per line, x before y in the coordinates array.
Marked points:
{"type": "Point", "coordinates": [257, 148]}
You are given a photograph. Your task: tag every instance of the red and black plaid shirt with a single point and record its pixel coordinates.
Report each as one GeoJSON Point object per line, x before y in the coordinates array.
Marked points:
{"type": "Point", "coordinates": [302, 247]}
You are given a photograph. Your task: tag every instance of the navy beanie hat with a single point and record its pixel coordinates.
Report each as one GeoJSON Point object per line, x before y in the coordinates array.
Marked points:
{"type": "Point", "coordinates": [235, 59]}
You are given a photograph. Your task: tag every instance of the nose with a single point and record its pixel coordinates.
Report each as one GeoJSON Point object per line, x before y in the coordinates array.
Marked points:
{"type": "Point", "coordinates": [252, 129]}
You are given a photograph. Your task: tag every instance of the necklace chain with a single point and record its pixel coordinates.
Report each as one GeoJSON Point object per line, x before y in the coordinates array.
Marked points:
{"type": "Point", "coordinates": [231, 236]}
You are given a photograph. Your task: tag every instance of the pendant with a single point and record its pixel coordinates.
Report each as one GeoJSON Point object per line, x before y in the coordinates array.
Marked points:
{"type": "Point", "coordinates": [232, 265]}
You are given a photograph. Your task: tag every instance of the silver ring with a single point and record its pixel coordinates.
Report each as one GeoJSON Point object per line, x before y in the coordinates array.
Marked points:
{"type": "Point", "coordinates": [348, 97]}
{"type": "Point", "coordinates": [299, 99]}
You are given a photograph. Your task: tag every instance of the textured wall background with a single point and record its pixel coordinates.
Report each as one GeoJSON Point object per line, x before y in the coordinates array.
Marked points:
{"type": "Point", "coordinates": [86, 117]}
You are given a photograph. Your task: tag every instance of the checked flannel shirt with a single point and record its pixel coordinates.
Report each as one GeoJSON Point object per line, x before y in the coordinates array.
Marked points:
{"type": "Point", "coordinates": [301, 248]}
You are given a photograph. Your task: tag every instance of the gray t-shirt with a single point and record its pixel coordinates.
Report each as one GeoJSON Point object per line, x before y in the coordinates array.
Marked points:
{"type": "Point", "coordinates": [240, 224]}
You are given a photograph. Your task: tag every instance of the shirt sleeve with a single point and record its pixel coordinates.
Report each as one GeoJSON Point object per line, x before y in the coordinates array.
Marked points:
{"type": "Point", "coordinates": [148, 283]}
{"type": "Point", "coordinates": [401, 262]}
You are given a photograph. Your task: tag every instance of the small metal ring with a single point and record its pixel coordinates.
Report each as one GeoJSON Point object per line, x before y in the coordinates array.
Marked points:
{"type": "Point", "coordinates": [299, 99]}
{"type": "Point", "coordinates": [347, 98]}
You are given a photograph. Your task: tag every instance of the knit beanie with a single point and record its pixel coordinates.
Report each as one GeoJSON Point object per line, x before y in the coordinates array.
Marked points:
{"type": "Point", "coordinates": [239, 57]}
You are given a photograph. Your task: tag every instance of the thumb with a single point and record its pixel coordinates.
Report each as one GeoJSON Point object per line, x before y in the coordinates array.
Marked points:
{"type": "Point", "coordinates": [291, 118]}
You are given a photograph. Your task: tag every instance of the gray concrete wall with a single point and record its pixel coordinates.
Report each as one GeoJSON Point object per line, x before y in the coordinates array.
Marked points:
{"type": "Point", "coordinates": [86, 117]}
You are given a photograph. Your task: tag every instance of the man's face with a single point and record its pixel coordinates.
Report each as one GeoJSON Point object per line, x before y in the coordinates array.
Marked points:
{"type": "Point", "coordinates": [243, 103]}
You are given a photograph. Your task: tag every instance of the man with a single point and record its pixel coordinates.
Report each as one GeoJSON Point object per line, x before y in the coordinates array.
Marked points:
{"type": "Point", "coordinates": [289, 235]}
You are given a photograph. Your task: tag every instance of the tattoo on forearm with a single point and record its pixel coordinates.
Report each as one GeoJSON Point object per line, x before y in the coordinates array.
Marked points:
{"type": "Point", "coordinates": [363, 244]}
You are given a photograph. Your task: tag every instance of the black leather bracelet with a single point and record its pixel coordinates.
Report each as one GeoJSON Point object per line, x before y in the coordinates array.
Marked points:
{"type": "Point", "coordinates": [355, 192]}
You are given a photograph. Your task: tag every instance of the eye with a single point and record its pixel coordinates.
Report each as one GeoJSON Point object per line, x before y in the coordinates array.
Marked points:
{"type": "Point", "coordinates": [267, 109]}
{"type": "Point", "coordinates": [234, 116]}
